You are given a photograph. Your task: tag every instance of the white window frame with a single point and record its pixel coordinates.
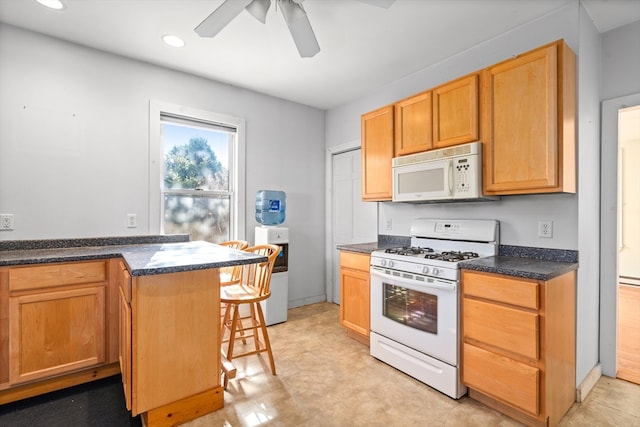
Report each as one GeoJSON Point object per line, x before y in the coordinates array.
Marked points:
{"type": "Point", "coordinates": [156, 160]}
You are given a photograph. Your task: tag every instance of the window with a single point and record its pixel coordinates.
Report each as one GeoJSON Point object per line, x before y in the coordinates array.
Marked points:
{"type": "Point", "coordinates": [197, 159]}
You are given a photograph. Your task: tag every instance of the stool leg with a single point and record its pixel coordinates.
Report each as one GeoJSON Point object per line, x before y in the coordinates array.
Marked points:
{"type": "Point", "coordinates": [232, 331]}
{"type": "Point", "coordinates": [265, 335]}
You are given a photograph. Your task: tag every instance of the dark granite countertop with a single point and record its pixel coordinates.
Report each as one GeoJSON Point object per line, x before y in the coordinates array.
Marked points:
{"type": "Point", "coordinates": [151, 255]}
{"type": "Point", "coordinates": [384, 242]}
{"type": "Point", "coordinates": [529, 268]}
{"type": "Point", "coordinates": [365, 248]}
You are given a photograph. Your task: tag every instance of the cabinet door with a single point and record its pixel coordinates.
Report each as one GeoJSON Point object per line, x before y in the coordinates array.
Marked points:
{"type": "Point", "coordinates": [413, 127]}
{"type": "Point", "coordinates": [354, 302]}
{"type": "Point", "coordinates": [124, 343]}
{"type": "Point", "coordinates": [56, 332]}
{"type": "Point", "coordinates": [531, 124]}
{"type": "Point", "coordinates": [455, 112]}
{"type": "Point", "coordinates": [377, 152]}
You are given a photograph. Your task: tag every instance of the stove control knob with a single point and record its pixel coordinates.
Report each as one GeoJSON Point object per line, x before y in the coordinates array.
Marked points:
{"type": "Point", "coordinates": [435, 271]}
{"type": "Point", "coordinates": [425, 270]}
{"type": "Point", "coordinates": [383, 262]}
{"type": "Point", "coordinates": [390, 264]}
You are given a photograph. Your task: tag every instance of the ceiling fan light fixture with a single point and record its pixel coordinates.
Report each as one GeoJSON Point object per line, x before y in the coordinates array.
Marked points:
{"type": "Point", "coordinates": [258, 9]}
{"type": "Point", "coordinates": [52, 4]}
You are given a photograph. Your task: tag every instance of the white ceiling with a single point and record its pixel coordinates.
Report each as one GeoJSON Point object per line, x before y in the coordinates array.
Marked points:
{"type": "Point", "coordinates": [362, 47]}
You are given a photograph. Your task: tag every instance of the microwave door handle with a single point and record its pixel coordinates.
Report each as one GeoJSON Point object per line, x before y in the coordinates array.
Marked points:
{"type": "Point", "coordinates": [450, 178]}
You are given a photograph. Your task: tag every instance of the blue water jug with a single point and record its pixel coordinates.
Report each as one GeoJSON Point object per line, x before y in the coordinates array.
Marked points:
{"type": "Point", "coordinates": [270, 207]}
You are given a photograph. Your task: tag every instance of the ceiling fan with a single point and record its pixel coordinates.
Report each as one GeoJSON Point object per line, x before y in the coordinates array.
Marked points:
{"type": "Point", "coordinates": [292, 11]}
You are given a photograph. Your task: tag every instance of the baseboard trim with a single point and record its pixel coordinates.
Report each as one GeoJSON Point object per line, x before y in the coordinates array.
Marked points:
{"type": "Point", "coordinates": [587, 384]}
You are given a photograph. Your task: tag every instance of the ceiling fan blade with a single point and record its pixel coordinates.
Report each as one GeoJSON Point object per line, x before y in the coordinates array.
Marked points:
{"type": "Point", "coordinates": [300, 28]}
{"type": "Point", "coordinates": [220, 17]}
{"type": "Point", "coordinates": [386, 4]}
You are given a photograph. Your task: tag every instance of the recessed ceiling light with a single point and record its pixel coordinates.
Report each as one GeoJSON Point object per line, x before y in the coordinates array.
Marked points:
{"type": "Point", "coordinates": [172, 40]}
{"type": "Point", "coordinates": [53, 4]}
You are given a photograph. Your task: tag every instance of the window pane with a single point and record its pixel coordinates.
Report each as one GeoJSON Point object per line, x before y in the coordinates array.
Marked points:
{"type": "Point", "coordinates": [195, 157]}
{"type": "Point", "coordinates": [202, 217]}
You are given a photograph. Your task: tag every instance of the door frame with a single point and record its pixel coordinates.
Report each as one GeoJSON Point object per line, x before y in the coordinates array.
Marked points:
{"type": "Point", "coordinates": [329, 249]}
{"type": "Point", "coordinates": [609, 231]}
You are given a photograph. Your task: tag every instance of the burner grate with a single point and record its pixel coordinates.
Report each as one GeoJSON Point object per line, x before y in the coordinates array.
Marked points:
{"type": "Point", "coordinates": [409, 250]}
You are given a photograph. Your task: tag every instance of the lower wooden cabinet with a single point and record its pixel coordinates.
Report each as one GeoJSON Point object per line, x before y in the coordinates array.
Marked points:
{"type": "Point", "coordinates": [175, 360]}
{"type": "Point", "coordinates": [124, 327]}
{"type": "Point", "coordinates": [518, 344]}
{"type": "Point", "coordinates": [57, 326]}
{"type": "Point", "coordinates": [354, 294]}
{"type": "Point", "coordinates": [56, 319]}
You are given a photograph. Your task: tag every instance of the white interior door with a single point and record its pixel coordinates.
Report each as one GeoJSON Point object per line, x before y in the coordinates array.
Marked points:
{"type": "Point", "coordinates": [628, 195]}
{"type": "Point", "coordinates": [354, 221]}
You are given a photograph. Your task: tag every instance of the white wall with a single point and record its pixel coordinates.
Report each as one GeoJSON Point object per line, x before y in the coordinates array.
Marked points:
{"type": "Point", "coordinates": [620, 87]}
{"type": "Point", "coordinates": [588, 219]}
{"type": "Point", "coordinates": [575, 217]}
{"type": "Point", "coordinates": [620, 61]}
{"type": "Point", "coordinates": [74, 147]}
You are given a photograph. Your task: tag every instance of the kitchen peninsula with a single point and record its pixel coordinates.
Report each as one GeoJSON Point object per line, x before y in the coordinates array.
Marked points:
{"type": "Point", "coordinates": [75, 310]}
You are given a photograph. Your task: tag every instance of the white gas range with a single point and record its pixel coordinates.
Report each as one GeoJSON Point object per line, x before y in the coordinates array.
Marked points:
{"type": "Point", "coordinates": [415, 299]}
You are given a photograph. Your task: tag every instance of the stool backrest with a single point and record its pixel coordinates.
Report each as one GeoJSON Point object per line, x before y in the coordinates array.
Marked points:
{"type": "Point", "coordinates": [229, 275]}
{"type": "Point", "coordinates": [235, 244]}
{"type": "Point", "coordinates": [259, 274]}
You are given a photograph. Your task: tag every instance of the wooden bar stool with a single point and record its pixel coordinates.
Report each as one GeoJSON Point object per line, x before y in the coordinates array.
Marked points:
{"type": "Point", "coordinates": [252, 288]}
{"type": "Point", "coordinates": [231, 275]}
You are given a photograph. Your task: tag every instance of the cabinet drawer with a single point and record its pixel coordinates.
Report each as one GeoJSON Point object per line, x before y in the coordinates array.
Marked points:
{"type": "Point", "coordinates": [510, 329]}
{"type": "Point", "coordinates": [512, 382]}
{"type": "Point", "coordinates": [354, 260]}
{"type": "Point", "coordinates": [508, 290]}
{"type": "Point", "coordinates": [42, 276]}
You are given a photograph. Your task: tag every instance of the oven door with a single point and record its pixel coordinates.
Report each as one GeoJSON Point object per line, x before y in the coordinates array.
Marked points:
{"type": "Point", "coordinates": [423, 181]}
{"type": "Point", "coordinates": [422, 315]}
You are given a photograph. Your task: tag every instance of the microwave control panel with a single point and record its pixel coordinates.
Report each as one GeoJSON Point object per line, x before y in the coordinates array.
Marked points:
{"type": "Point", "coordinates": [466, 173]}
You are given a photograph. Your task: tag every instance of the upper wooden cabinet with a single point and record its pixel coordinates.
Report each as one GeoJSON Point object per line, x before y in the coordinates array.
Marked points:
{"type": "Point", "coordinates": [441, 117]}
{"type": "Point", "coordinates": [413, 124]}
{"type": "Point", "coordinates": [455, 112]}
{"type": "Point", "coordinates": [529, 106]}
{"type": "Point", "coordinates": [377, 152]}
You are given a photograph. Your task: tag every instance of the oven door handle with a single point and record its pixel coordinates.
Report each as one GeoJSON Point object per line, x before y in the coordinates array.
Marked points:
{"type": "Point", "coordinates": [411, 283]}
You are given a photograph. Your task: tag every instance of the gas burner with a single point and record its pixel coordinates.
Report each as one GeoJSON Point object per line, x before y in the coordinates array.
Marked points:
{"type": "Point", "coordinates": [413, 250]}
{"type": "Point", "coordinates": [452, 256]}
{"type": "Point", "coordinates": [458, 256]}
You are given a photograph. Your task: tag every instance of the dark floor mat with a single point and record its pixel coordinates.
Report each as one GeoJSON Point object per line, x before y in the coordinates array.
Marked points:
{"type": "Point", "coordinates": [98, 403]}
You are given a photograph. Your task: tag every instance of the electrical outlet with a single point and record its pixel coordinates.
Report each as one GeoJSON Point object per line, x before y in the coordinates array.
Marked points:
{"type": "Point", "coordinates": [132, 221]}
{"type": "Point", "coordinates": [545, 228]}
{"type": "Point", "coordinates": [6, 222]}
{"type": "Point", "coordinates": [388, 224]}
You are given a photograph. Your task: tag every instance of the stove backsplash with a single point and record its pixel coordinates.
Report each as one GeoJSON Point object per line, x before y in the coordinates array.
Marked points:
{"type": "Point", "coordinates": [389, 240]}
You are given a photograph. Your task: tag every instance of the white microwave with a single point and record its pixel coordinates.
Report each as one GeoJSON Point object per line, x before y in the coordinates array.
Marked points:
{"type": "Point", "coordinates": [447, 174]}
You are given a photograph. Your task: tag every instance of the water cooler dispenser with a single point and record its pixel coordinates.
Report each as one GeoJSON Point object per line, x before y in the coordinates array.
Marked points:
{"type": "Point", "coordinates": [270, 212]}
{"type": "Point", "coordinates": [275, 307]}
